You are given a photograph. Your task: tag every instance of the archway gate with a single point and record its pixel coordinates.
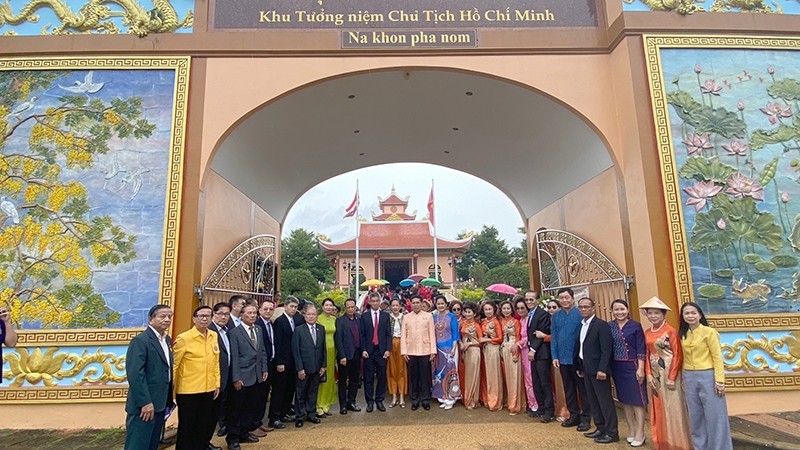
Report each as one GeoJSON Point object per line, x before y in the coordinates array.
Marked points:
{"type": "Point", "coordinates": [249, 269]}
{"type": "Point", "coordinates": [567, 260]}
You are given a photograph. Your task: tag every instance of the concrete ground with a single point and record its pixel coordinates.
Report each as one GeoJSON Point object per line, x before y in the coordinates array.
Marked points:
{"type": "Point", "coordinates": [436, 429]}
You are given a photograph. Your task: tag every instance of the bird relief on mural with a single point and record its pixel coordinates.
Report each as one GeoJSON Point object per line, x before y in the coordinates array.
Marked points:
{"type": "Point", "coordinates": [84, 159]}
{"type": "Point", "coordinates": [736, 142]}
{"type": "Point", "coordinates": [139, 17]}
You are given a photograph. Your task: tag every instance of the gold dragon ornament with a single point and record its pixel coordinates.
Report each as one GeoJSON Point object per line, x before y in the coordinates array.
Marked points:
{"type": "Point", "coordinates": [37, 367]}
{"type": "Point", "coordinates": [770, 347]}
{"type": "Point", "coordinates": [94, 17]}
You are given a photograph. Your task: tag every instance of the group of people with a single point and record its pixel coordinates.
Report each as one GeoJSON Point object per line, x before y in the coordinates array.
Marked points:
{"type": "Point", "coordinates": [556, 362]}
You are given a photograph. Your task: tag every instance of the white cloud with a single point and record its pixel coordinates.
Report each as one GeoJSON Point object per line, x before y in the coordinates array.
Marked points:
{"type": "Point", "coordinates": [463, 201]}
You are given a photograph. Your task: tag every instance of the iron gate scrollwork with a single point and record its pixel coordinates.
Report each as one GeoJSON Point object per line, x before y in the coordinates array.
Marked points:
{"type": "Point", "coordinates": [567, 260]}
{"type": "Point", "coordinates": [249, 269]}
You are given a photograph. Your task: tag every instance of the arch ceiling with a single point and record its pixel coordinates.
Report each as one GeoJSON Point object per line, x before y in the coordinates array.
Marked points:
{"type": "Point", "coordinates": [529, 146]}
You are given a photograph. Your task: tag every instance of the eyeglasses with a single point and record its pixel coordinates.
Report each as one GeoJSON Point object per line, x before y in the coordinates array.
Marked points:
{"type": "Point", "coordinates": [203, 316]}
{"type": "Point", "coordinates": [552, 307]}
{"type": "Point", "coordinates": [456, 309]}
{"type": "Point", "coordinates": [219, 313]}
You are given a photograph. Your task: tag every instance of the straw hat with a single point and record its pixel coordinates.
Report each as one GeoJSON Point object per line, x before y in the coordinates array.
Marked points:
{"type": "Point", "coordinates": [655, 303]}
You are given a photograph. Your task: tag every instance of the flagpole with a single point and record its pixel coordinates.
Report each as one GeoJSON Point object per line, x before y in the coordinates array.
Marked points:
{"type": "Point", "coordinates": [358, 285]}
{"type": "Point", "coordinates": [435, 247]}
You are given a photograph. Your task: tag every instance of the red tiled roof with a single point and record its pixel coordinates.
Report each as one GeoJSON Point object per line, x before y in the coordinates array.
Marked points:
{"type": "Point", "coordinates": [392, 199]}
{"type": "Point", "coordinates": [396, 235]}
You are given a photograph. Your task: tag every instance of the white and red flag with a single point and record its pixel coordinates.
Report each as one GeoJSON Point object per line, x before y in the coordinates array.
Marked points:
{"type": "Point", "coordinates": [353, 208]}
{"type": "Point", "coordinates": [430, 206]}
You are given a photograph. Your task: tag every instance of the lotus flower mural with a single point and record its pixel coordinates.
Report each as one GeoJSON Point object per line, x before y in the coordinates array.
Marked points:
{"type": "Point", "coordinates": [736, 143]}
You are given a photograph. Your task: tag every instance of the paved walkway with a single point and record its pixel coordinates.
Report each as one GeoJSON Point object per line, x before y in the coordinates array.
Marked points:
{"type": "Point", "coordinates": [405, 429]}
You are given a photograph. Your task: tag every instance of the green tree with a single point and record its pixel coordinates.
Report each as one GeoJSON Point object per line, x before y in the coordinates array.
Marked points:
{"type": "Point", "coordinates": [519, 254]}
{"type": "Point", "coordinates": [300, 250]}
{"type": "Point", "coordinates": [50, 246]}
{"type": "Point", "coordinates": [300, 283]}
{"type": "Point", "coordinates": [512, 274]}
{"type": "Point", "coordinates": [487, 247]}
{"type": "Point", "coordinates": [478, 273]}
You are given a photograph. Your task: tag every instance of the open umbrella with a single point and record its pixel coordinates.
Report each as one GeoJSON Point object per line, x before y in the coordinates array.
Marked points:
{"type": "Point", "coordinates": [385, 282]}
{"type": "Point", "coordinates": [430, 282]}
{"type": "Point", "coordinates": [416, 277]}
{"type": "Point", "coordinates": [372, 282]}
{"type": "Point", "coordinates": [407, 282]}
{"type": "Point", "coordinates": [500, 288]}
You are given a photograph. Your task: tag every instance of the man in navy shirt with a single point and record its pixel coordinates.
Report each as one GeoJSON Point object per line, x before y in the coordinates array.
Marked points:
{"type": "Point", "coordinates": [8, 336]}
{"type": "Point", "coordinates": [565, 331]}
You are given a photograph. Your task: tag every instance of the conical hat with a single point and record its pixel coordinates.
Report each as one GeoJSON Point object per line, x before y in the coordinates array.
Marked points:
{"type": "Point", "coordinates": [655, 303]}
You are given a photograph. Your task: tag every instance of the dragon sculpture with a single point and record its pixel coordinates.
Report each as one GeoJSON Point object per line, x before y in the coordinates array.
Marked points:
{"type": "Point", "coordinates": [94, 17]}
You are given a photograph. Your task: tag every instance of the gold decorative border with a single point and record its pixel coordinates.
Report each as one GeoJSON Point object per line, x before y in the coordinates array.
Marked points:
{"type": "Point", "coordinates": [674, 209]}
{"type": "Point", "coordinates": [172, 214]}
{"type": "Point", "coordinates": [64, 394]}
{"type": "Point", "coordinates": [771, 382]}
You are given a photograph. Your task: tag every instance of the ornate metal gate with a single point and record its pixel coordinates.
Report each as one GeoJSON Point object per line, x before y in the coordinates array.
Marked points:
{"type": "Point", "coordinates": [566, 260]}
{"type": "Point", "coordinates": [249, 269]}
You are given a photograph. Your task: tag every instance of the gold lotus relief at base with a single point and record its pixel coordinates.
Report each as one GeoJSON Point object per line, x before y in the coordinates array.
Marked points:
{"type": "Point", "coordinates": [95, 17]}
{"type": "Point", "coordinates": [45, 368]}
{"type": "Point", "coordinates": [763, 347]}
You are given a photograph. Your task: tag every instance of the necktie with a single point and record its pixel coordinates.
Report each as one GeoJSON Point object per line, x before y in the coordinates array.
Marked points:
{"type": "Point", "coordinates": [271, 340]}
{"type": "Point", "coordinates": [252, 335]}
{"type": "Point", "coordinates": [314, 334]}
{"type": "Point", "coordinates": [291, 323]}
{"type": "Point", "coordinates": [375, 328]}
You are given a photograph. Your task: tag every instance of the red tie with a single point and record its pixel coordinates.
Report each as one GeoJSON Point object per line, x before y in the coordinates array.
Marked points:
{"type": "Point", "coordinates": [375, 328]}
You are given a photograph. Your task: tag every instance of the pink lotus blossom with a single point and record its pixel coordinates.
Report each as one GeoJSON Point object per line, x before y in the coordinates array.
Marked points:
{"type": "Point", "coordinates": [771, 70]}
{"type": "Point", "coordinates": [775, 112]}
{"type": "Point", "coordinates": [740, 105]}
{"type": "Point", "coordinates": [785, 197]}
{"type": "Point", "coordinates": [721, 224]}
{"type": "Point", "coordinates": [736, 148]}
{"type": "Point", "coordinates": [710, 87]}
{"type": "Point", "coordinates": [700, 193]}
{"type": "Point", "coordinates": [697, 143]}
{"type": "Point", "coordinates": [742, 186]}
{"type": "Point", "coordinates": [697, 68]}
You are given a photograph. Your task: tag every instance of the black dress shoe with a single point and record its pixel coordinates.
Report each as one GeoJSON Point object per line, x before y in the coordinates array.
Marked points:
{"type": "Point", "coordinates": [369, 407]}
{"type": "Point", "coordinates": [571, 422]}
{"type": "Point", "coordinates": [234, 446]}
{"type": "Point", "coordinates": [249, 439]}
{"type": "Point", "coordinates": [277, 424]}
{"type": "Point", "coordinates": [594, 434]}
{"type": "Point", "coordinates": [285, 418]}
{"type": "Point", "coordinates": [299, 424]}
{"type": "Point", "coordinates": [328, 413]}
{"type": "Point", "coordinates": [320, 416]}
{"type": "Point", "coordinates": [585, 426]}
{"type": "Point", "coordinates": [606, 439]}
{"type": "Point", "coordinates": [546, 418]}
{"type": "Point", "coordinates": [380, 406]}
{"type": "Point", "coordinates": [223, 430]}
{"type": "Point", "coordinates": [426, 406]}
{"type": "Point", "coordinates": [342, 411]}
{"type": "Point", "coordinates": [353, 407]}
{"type": "Point", "coordinates": [213, 447]}
{"type": "Point", "coordinates": [291, 412]}
{"type": "Point", "coordinates": [414, 406]}
{"type": "Point", "coordinates": [313, 419]}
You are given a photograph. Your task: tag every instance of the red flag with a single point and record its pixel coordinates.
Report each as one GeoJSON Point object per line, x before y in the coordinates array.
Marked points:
{"type": "Point", "coordinates": [351, 210]}
{"type": "Point", "coordinates": [430, 207]}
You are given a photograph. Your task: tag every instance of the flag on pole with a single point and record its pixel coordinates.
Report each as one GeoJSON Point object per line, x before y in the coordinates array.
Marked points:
{"type": "Point", "coordinates": [430, 206]}
{"type": "Point", "coordinates": [351, 210]}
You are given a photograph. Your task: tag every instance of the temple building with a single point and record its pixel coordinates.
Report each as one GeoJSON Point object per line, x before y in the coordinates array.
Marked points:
{"type": "Point", "coordinates": [395, 245]}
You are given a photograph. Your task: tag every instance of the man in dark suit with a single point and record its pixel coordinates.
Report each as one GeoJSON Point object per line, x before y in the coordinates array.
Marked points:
{"type": "Point", "coordinates": [249, 367]}
{"type": "Point", "coordinates": [347, 338]}
{"type": "Point", "coordinates": [148, 366]}
{"type": "Point", "coordinates": [593, 350]}
{"type": "Point", "coordinates": [264, 322]}
{"type": "Point", "coordinates": [222, 312]}
{"type": "Point", "coordinates": [540, 360]}
{"type": "Point", "coordinates": [283, 381]}
{"type": "Point", "coordinates": [376, 342]}
{"type": "Point", "coordinates": [310, 358]}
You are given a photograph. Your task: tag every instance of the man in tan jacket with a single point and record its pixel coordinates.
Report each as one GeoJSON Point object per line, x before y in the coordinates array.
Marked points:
{"type": "Point", "coordinates": [418, 347]}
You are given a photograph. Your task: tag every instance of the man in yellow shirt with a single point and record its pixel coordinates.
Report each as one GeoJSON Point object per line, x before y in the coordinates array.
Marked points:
{"type": "Point", "coordinates": [197, 380]}
{"type": "Point", "coordinates": [418, 347]}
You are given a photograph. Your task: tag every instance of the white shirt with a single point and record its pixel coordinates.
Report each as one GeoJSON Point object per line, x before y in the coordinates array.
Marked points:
{"type": "Point", "coordinates": [584, 329]}
{"type": "Point", "coordinates": [162, 339]}
{"type": "Point", "coordinates": [312, 329]}
{"type": "Point", "coordinates": [397, 330]}
{"type": "Point", "coordinates": [222, 332]}
{"type": "Point", "coordinates": [291, 321]}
